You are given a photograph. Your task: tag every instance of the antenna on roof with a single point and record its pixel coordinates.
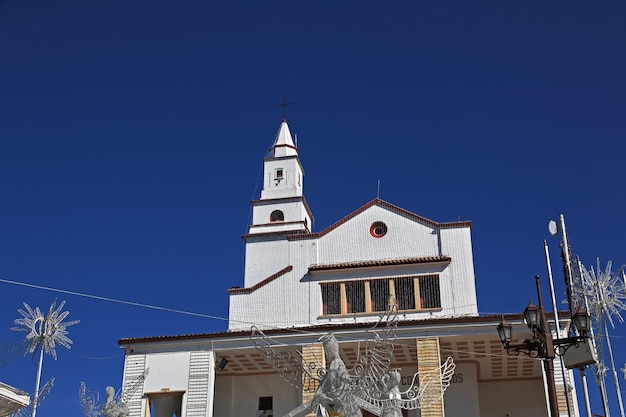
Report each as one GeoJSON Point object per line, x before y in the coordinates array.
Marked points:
{"type": "Point", "coordinates": [296, 138]}
{"type": "Point", "coordinates": [378, 190]}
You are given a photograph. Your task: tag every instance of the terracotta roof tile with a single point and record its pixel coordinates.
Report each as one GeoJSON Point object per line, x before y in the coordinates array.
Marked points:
{"type": "Point", "coordinates": [389, 206]}
{"type": "Point", "coordinates": [335, 327]}
{"type": "Point", "coordinates": [260, 284]}
{"type": "Point", "coordinates": [382, 262]}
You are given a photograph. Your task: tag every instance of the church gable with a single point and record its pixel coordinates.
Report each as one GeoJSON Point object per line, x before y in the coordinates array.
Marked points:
{"type": "Point", "coordinates": [382, 255]}
{"type": "Point", "coordinates": [380, 231]}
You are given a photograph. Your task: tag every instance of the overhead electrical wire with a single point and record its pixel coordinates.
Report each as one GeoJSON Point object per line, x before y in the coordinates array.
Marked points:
{"type": "Point", "coordinates": [153, 307]}
{"type": "Point", "coordinates": [113, 300]}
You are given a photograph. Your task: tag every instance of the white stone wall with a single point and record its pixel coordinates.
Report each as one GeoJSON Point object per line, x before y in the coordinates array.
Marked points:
{"type": "Point", "coordinates": [286, 300]}
{"type": "Point", "coordinates": [264, 257]}
{"type": "Point", "coordinates": [168, 371]}
{"type": "Point", "coordinates": [458, 286]}
{"type": "Point", "coordinates": [239, 397]}
{"type": "Point", "coordinates": [519, 399]}
{"type": "Point", "coordinates": [294, 299]}
{"type": "Point", "coordinates": [352, 240]}
{"type": "Point", "coordinates": [461, 398]}
{"type": "Point", "coordinates": [292, 209]}
{"type": "Point", "coordinates": [288, 186]}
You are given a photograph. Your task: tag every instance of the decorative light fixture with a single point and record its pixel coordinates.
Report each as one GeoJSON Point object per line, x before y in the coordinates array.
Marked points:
{"type": "Point", "coordinates": [45, 332]}
{"type": "Point", "coordinates": [582, 321]}
{"type": "Point", "coordinates": [531, 315]}
{"type": "Point", "coordinates": [505, 329]}
{"type": "Point", "coordinates": [544, 346]}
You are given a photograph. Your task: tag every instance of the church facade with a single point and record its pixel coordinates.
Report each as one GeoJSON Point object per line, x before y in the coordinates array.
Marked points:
{"type": "Point", "coordinates": [340, 280]}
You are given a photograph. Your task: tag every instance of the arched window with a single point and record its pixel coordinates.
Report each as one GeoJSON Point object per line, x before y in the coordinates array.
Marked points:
{"type": "Point", "coordinates": [277, 216]}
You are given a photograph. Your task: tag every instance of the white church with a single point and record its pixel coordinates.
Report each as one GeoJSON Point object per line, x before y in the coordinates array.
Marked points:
{"type": "Point", "coordinates": [341, 280]}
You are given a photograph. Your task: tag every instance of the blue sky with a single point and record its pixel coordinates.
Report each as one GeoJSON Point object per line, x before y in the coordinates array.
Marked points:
{"type": "Point", "coordinates": [132, 135]}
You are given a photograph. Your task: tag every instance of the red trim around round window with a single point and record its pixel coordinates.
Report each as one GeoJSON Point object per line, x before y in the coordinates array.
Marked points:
{"type": "Point", "coordinates": [378, 229]}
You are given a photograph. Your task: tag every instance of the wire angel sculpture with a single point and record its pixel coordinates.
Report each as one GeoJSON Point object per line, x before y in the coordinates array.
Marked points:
{"type": "Point", "coordinates": [36, 399]}
{"type": "Point", "coordinates": [369, 384]}
{"type": "Point", "coordinates": [116, 404]}
{"type": "Point", "coordinates": [426, 388]}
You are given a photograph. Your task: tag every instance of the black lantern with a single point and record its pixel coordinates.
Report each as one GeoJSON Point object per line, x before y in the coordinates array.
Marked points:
{"type": "Point", "coordinates": [505, 331]}
{"type": "Point", "coordinates": [531, 314]}
{"type": "Point", "coordinates": [582, 321]}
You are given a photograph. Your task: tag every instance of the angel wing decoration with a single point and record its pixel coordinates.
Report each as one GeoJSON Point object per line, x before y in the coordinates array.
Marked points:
{"type": "Point", "coordinates": [116, 404]}
{"type": "Point", "coordinates": [89, 401]}
{"type": "Point", "coordinates": [425, 389]}
{"type": "Point", "coordinates": [335, 387]}
{"type": "Point", "coordinates": [368, 384]}
{"type": "Point", "coordinates": [288, 362]}
{"type": "Point", "coordinates": [43, 393]}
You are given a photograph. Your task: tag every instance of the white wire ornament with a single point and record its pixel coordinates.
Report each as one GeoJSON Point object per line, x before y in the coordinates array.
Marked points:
{"type": "Point", "coordinates": [116, 404]}
{"type": "Point", "coordinates": [36, 399]}
{"type": "Point", "coordinates": [43, 333]}
{"type": "Point", "coordinates": [604, 292]}
{"type": "Point", "coordinates": [369, 384]}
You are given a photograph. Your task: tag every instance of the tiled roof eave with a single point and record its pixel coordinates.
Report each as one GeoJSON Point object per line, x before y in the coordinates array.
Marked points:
{"type": "Point", "coordinates": [464, 320]}
{"type": "Point", "coordinates": [266, 281]}
{"type": "Point", "coordinates": [389, 206]}
{"type": "Point", "coordinates": [383, 262]}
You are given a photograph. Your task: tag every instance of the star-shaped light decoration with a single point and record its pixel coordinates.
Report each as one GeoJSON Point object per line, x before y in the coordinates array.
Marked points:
{"type": "Point", "coordinates": [45, 331]}
{"type": "Point", "coordinates": [605, 291]}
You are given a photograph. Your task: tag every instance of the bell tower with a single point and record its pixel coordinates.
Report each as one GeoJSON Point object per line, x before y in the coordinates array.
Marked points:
{"type": "Point", "coordinates": [282, 207]}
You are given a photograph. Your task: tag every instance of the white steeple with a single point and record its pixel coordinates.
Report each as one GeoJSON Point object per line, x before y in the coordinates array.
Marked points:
{"type": "Point", "coordinates": [282, 207]}
{"type": "Point", "coordinates": [283, 144]}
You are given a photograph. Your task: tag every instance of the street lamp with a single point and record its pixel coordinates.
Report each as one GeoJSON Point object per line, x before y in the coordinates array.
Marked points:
{"type": "Point", "coordinates": [582, 321]}
{"type": "Point", "coordinates": [544, 346]}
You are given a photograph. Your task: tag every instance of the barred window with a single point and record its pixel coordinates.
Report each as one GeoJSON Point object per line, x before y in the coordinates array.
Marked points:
{"type": "Point", "coordinates": [380, 294]}
{"type": "Point", "coordinates": [355, 296]}
{"type": "Point", "coordinates": [370, 296]}
{"type": "Point", "coordinates": [331, 298]}
{"type": "Point", "coordinates": [429, 291]}
{"type": "Point", "coordinates": [405, 293]}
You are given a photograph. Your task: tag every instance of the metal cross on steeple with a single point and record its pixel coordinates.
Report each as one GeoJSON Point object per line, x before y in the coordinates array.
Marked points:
{"type": "Point", "coordinates": [284, 105]}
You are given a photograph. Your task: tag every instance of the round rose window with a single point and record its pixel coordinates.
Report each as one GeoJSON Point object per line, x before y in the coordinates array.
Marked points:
{"type": "Point", "coordinates": [378, 229]}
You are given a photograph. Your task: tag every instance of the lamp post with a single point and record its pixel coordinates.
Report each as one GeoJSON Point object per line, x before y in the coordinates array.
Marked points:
{"type": "Point", "coordinates": [544, 346]}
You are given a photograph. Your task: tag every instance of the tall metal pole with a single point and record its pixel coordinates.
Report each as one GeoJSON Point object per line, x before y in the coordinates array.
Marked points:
{"type": "Point", "coordinates": [548, 354]}
{"type": "Point", "coordinates": [610, 348]}
{"type": "Point", "coordinates": [583, 380]}
{"type": "Point", "coordinates": [568, 266]}
{"type": "Point", "coordinates": [599, 375]}
{"type": "Point", "coordinates": [613, 368]}
{"type": "Point", "coordinates": [570, 287]}
{"type": "Point", "coordinates": [558, 334]}
{"type": "Point", "coordinates": [36, 399]}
